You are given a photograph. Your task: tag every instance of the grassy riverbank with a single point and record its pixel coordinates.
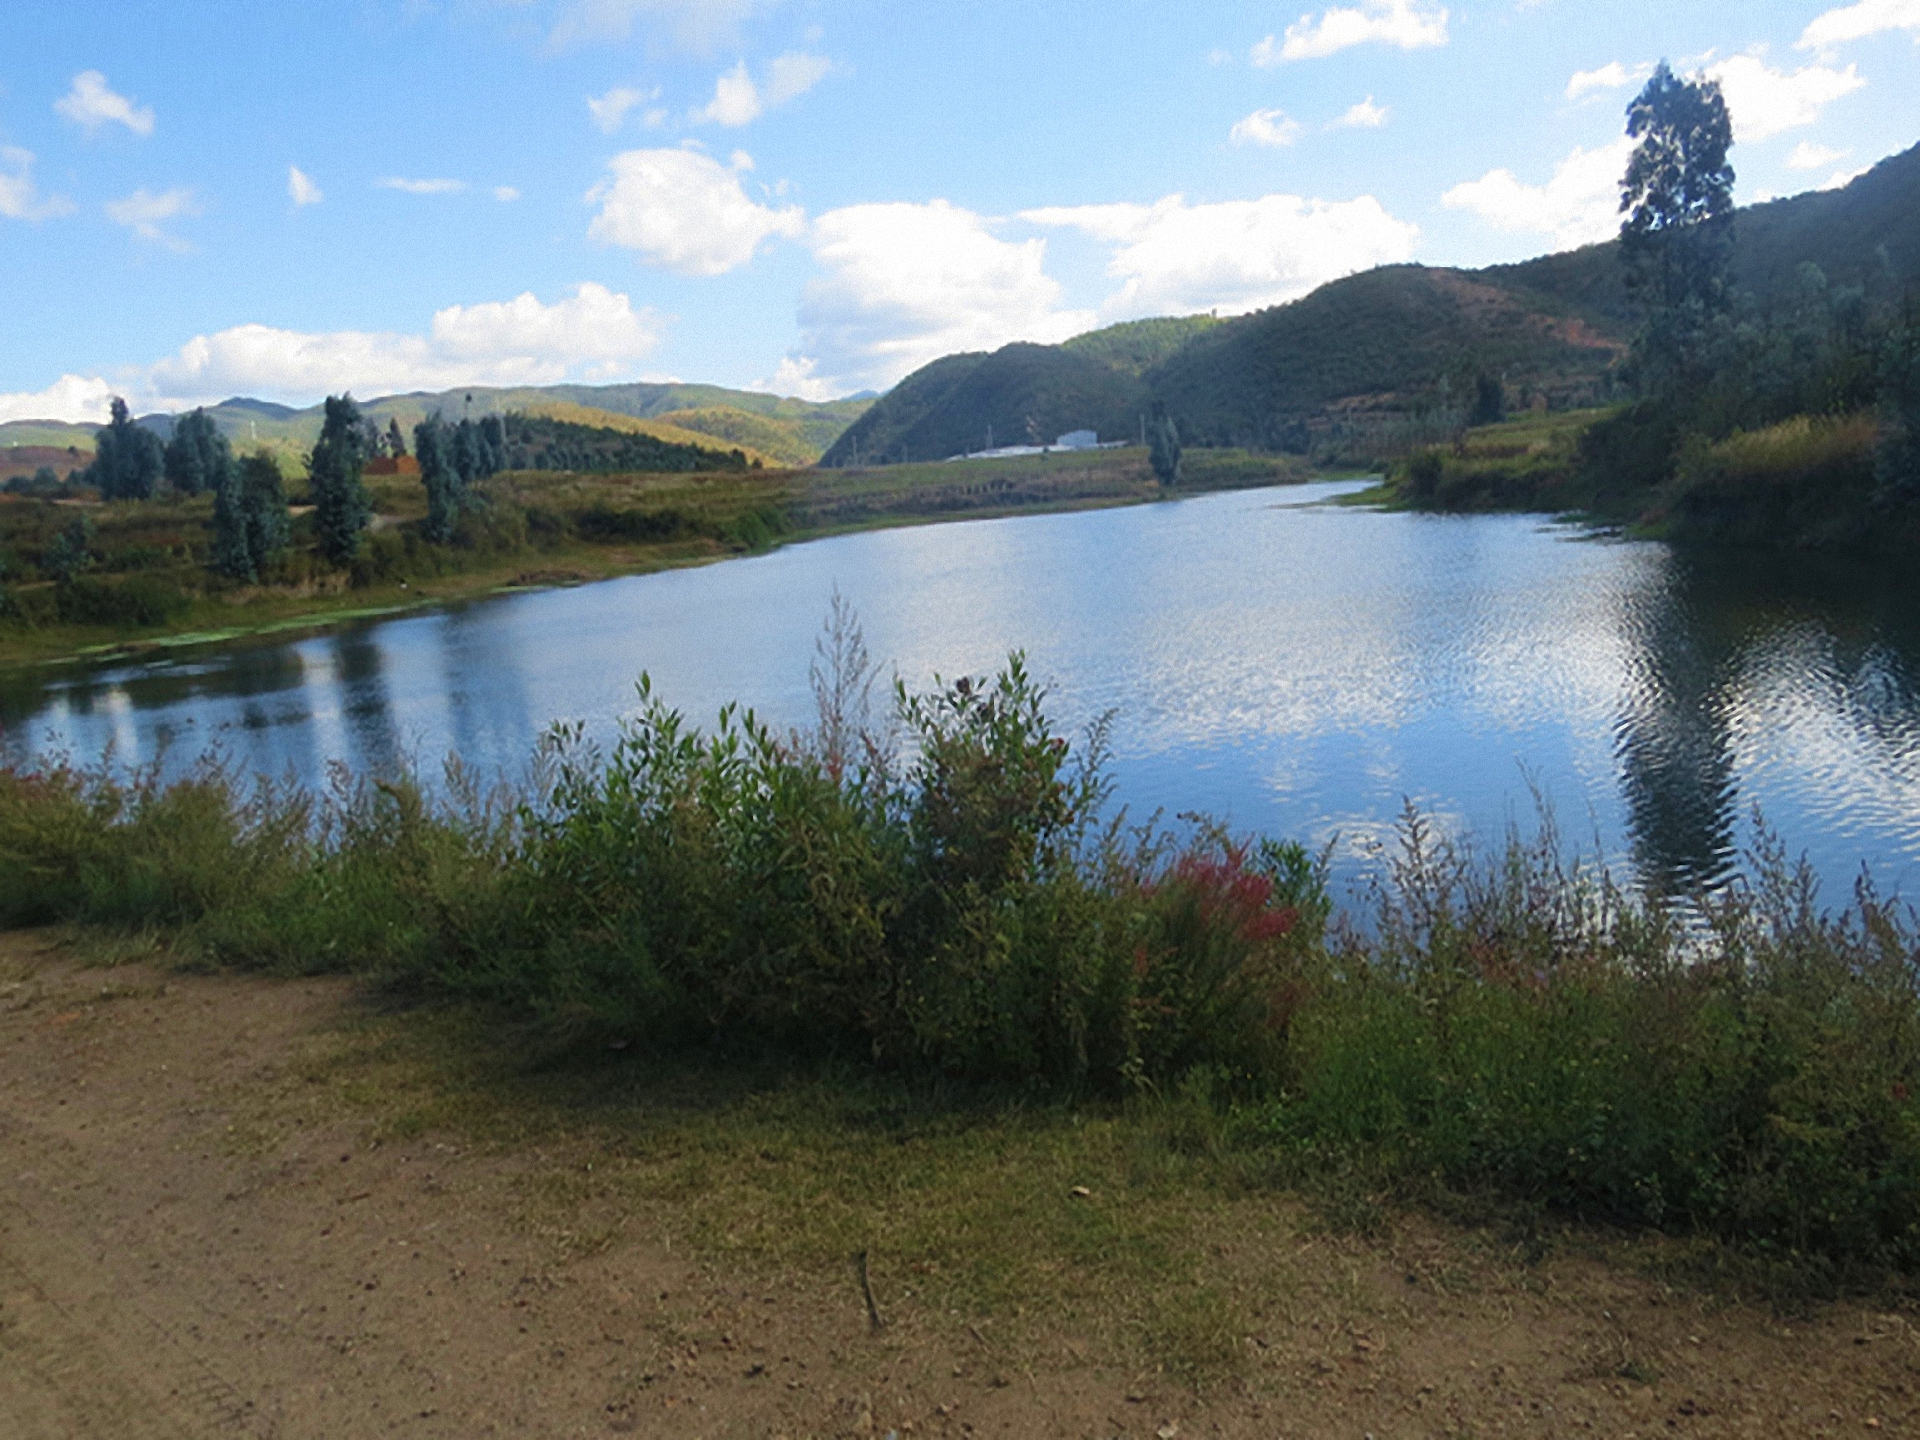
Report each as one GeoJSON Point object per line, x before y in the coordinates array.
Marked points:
{"type": "Point", "coordinates": [943, 906]}
{"type": "Point", "coordinates": [1807, 483]}
{"type": "Point", "coordinates": [149, 583]}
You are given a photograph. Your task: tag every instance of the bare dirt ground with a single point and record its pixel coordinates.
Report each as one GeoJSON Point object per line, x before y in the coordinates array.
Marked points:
{"type": "Point", "coordinates": [181, 1258]}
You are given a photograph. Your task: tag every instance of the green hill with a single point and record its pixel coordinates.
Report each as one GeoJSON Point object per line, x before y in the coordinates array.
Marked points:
{"type": "Point", "coordinates": [1134, 347]}
{"type": "Point", "coordinates": [1018, 395]}
{"type": "Point", "coordinates": [1379, 349]}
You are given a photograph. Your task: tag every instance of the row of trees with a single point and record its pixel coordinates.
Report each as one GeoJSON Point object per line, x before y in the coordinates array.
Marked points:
{"type": "Point", "coordinates": [252, 526]}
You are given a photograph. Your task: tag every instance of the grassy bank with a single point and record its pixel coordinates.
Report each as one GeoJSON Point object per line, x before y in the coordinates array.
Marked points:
{"type": "Point", "coordinates": [1807, 483]}
{"type": "Point", "coordinates": [149, 582]}
{"type": "Point", "coordinates": [940, 902]}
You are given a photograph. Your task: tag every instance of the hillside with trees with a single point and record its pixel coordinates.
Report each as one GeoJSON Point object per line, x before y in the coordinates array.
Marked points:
{"type": "Point", "coordinates": [1019, 395]}
{"type": "Point", "coordinates": [1368, 366]}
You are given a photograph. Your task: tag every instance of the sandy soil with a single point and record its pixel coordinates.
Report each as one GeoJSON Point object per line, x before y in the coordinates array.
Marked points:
{"type": "Point", "coordinates": [171, 1268]}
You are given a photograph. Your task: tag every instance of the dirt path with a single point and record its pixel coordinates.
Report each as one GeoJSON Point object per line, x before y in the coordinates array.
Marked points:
{"type": "Point", "coordinates": [171, 1267]}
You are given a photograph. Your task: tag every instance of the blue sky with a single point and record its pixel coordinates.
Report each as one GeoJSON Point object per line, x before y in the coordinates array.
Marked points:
{"type": "Point", "coordinates": [813, 196]}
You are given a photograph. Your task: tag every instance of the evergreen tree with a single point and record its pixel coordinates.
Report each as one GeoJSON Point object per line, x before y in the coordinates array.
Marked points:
{"type": "Point", "coordinates": [251, 527]}
{"type": "Point", "coordinates": [1163, 439]}
{"type": "Point", "coordinates": [1676, 241]}
{"type": "Point", "coordinates": [396, 443]}
{"type": "Point", "coordinates": [198, 457]}
{"type": "Point", "coordinates": [436, 446]}
{"type": "Point", "coordinates": [231, 555]}
{"type": "Point", "coordinates": [127, 460]}
{"type": "Point", "coordinates": [341, 509]}
{"type": "Point", "coordinates": [493, 444]}
{"type": "Point", "coordinates": [263, 500]}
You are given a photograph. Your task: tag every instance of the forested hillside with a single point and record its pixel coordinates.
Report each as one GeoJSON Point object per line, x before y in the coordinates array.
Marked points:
{"type": "Point", "coordinates": [1374, 350]}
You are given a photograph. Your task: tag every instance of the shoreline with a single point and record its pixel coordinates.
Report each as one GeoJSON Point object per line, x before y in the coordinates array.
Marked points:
{"type": "Point", "coordinates": [583, 564]}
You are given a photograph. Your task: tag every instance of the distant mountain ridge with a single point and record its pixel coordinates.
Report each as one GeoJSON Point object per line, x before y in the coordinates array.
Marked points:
{"type": "Point", "coordinates": [1377, 344]}
{"type": "Point", "coordinates": [784, 431]}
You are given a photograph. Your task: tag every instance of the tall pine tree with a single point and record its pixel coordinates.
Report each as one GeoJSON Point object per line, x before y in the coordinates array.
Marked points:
{"type": "Point", "coordinates": [341, 509]}
{"type": "Point", "coordinates": [127, 459]}
{"type": "Point", "coordinates": [1676, 242]}
{"type": "Point", "coordinates": [198, 457]}
{"type": "Point", "coordinates": [251, 527]}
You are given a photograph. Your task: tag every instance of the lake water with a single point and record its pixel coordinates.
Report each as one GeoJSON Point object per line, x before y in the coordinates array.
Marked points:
{"type": "Point", "coordinates": [1286, 665]}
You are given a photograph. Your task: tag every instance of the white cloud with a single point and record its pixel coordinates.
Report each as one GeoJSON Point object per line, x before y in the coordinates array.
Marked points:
{"type": "Point", "coordinates": [1611, 76]}
{"type": "Point", "coordinates": [76, 399]}
{"type": "Point", "coordinates": [20, 198]}
{"type": "Point", "coordinates": [610, 109]}
{"type": "Point", "coordinates": [904, 284]}
{"type": "Point", "coordinates": [1857, 22]}
{"type": "Point", "coordinates": [505, 194]}
{"type": "Point", "coordinates": [1364, 116]}
{"type": "Point", "coordinates": [592, 334]}
{"type": "Point", "coordinates": [421, 187]}
{"type": "Point", "coordinates": [697, 25]}
{"type": "Point", "coordinates": [1809, 156]}
{"type": "Point", "coordinates": [144, 213]}
{"type": "Point", "coordinates": [1403, 23]}
{"type": "Point", "coordinates": [685, 211]}
{"type": "Point", "coordinates": [1176, 258]}
{"type": "Point", "coordinates": [800, 376]}
{"type": "Point", "coordinates": [91, 104]}
{"type": "Point", "coordinates": [1765, 101]}
{"type": "Point", "coordinates": [1580, 205]}
{"type": "Point", "coordinates": [738, 100]}
{"type": "Point", "coordinates": [790, 76]}
{"type": "Point", "coordinates": [1265, 127]}
{"type": "Point", "coordinates": [300, 187]}
{"type": "Point", "coordinates": [1840, 179]}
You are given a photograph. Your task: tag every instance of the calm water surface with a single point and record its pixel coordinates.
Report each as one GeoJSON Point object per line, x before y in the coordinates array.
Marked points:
{"type": "Point", "coordinates": [1286, 665]}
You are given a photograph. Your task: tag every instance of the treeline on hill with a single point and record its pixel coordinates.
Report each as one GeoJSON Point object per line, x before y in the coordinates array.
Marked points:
{"type": "Point", "coordinates": [534, 442]}
{"type": "Point", "coordinates": [1369, 368]}
{"type": "Point", "coordinates": [164, 545]}
{"type": "Point", "coordinates": [1782, 415]}
{"type": "Point", "coordinates": [947, 899]}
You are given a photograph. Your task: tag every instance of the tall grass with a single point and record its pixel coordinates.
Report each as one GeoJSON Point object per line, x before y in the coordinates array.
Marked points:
{"type": "Point", "coordinates": [945, 895]}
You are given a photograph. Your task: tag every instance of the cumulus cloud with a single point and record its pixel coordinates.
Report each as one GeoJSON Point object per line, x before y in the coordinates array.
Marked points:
{"type": "Point", "coordinates": [1856, 22]}
{"type": "Point", "coordinates": [610, 110]}
{"type": "Point", "coordinates": [91, 103]}
{"type": "Point", "coordinates": [421, 187]}
{"type": "Point", "coordinates": [20, 198]}
{"type": "Point", "coordinates": [1809, 156]}
{"type": "Point", "coordinates": [1580, 205]}
{"type": "Point", "coordinates": [903, 284]}
{"type": "Point", "coordinates": [696, 25]}
{"type": "Point", "coordinates": [300, 187]}
{"type": "Point", "coordinates": [1364, 116]}
{"type": "Point", "coordinates": [738, 100]}
{"type": "Point", "coordinates": [685, 211]}
{"type": "Point", "coordinates": [1265, 127]}
{"type": "Point", "coordinates": [1765, 101]}
{"type": "Point", "coordinates": [1611, 76]}
{"type": "Point", "coordinates": [505, 194]}
{"type": "Point", "coordinates": [592, 334]}
{"type": "Point", "coordinates": [1406, 24]}
{"type": "Point", "coordinates": [145, 214]}
{"type": "Point", "coordinates": [1176, 258]}
{"type": "Point", "coordinates": [74, 399]}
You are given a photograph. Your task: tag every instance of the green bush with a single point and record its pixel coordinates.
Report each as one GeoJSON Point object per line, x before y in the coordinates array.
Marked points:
{"type": "Point", "coordinates": [137, 600]}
